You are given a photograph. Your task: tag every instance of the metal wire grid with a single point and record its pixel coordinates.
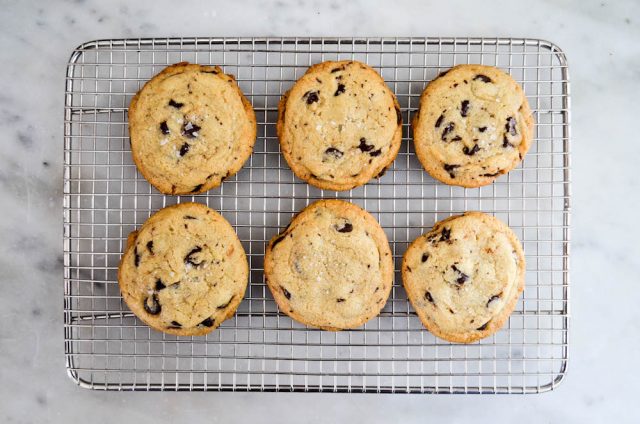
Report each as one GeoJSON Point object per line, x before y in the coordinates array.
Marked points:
{"type": "Point", "coordinates": [260, 349]}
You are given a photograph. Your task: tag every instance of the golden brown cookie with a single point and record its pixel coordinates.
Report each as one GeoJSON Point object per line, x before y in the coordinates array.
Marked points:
{"type": "Point", "coordinates": [474, 124]}
{"type": "Point", "coordinates": [340, 125]}
{"type": "Point", "coordinates": [184, 271]}
{"type": "Point", "coordinates": [190, 127]}
{"type": "Point", "coordinates": [331, 267]}
{"type": "Point", "coordinates": [464, 276]}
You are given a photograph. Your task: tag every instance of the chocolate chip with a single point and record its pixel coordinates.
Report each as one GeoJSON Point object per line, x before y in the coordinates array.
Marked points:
{"type": "Point", "coordinates": [189, 217]}
{"type": "Point", "coordinates": [159, 285]}
{"type": "Point", "coordinates": [207, 322]}
{"type": "Point", "coordinates": [445, 235]}
{"type": "Point", "coordinates": [339, 68]}
{"type": "Point", "coordinates": [175, 325]}
{"type": "Point", "coordinates": [151, 305]}
{"type": "Point", "coordinates": [510, 126]}
{"type": "Point", "coordinates": [450, 127]}
{"type": "Point", "coordinates": [443, 73]}
{"type": "Point", "coordinates": [483, 326]}
{"type": "Point", "coordinates": [424, 258]}
{"type": "Point", "coordinates": [363, 146]}
{"type": "Point", "coordinates": [493, 298]}
{"type": "Point", "coordinates": [311, 97]}
{"type": "Point", "coordinates": [505, 142]}
{"type": "Point", "coordinates": [184, 149]}
{"type": "Point", "coordinates": [189, 259]}
{"type": "Point", "coordinates": [482, 78]}
{"type": "Point", "coordinates": [492, 175]}
{"type": "Point", "coordinates": [278, 240]}
{"type": "Point", "coordinates": [339, 90]}
{"type": "Point", "coordinates": [462, 278]}
{"type": "Point", "coordinates": [439, 121]}
{"type": "Point", "coordinates": [381, 173]}
{"type": "Point", "coordinates": [451, 311]}
{"type": "Point", "coordinates": [224, 305]}
{"type": "Point", "coordinates": [136, 256]}
{"type": "Point", "coordinates": [213, 71]}
{"type": "Point", "coordinates": [482, 129]}
{"type": "Point", "coordinates": [150, 246]}
{"type": "Point", "coordinates": [196, 189]}
{"type": "Point", "coordinates": [340, 299]}
{"type": "Point", "coordinates": [450, 169]}
{"type": "Point", "coordinates": [285, 292]}
{"type": "Point", "coordinates": [376, 152]}
{"type": "Point", "coordinates": [464, 108]}
{"type": "Point", "coordinates": [398, 116]}
{"type": "Point", "coordinates": [164, 128]}
{"type": "Point", "coordinates": [346, 228]}
{"type": "Point", "coordinates": [190, 130]}
{"type": "Point", "coordinates": [408, 268]}
{"type": "Point", "coordinates": [456, 138]}
{"type": "Point", "coordinates": [175, 104]}
{"type": "Point", "coordinates": [472, 151]}
{"type": "Point", "coordinates": [428, 296]}
{"type": "Point", "coordinates": [333, 152]}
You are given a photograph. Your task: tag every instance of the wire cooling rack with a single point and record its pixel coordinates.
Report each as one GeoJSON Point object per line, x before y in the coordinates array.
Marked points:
{"type": "Point", "coordinates": [105, 198]}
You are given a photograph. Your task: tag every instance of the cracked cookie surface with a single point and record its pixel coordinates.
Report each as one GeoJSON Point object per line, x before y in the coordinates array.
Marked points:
{"type": "Point", "coordinates": [340, 125]}
{"type": "Point", "coordinates": [474, 124]}
{"type": "Point", "coordinates": [184, 271]}
{"type": "Point", "coordinates": [331, 267]}
{"type": "Point", "coordinates": [190, 127]}
{"type": "Point", "coordinates": [464, 277]}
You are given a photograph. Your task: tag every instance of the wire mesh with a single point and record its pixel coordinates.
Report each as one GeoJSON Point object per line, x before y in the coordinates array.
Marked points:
{"type": "Point", "coordinates": [105, 198]}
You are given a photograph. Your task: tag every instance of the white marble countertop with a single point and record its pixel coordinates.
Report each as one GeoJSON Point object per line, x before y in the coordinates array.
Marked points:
{"type": "Point", "coordinates": [602, 42]}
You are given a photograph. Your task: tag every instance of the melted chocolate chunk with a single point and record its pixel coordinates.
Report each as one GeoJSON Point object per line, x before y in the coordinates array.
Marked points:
{"type": "Point", "coordinates": [449, 128]}
{"type": "Point", "coordinates": [311, 97]}
{"type": "Point", "coordinates": [398, 116]}
{"type": "Point", "coordinates": [482, 129]}
{"type": "Point", "coordinates": [510, 126]}
{"type": "Point", "coordinates": [184, 149]}
{"type": "Point", "coordinates": [150, 246]}
{"type": "Point", "coordinates": [159, 285]}
{"type": "Point", "coordinates": [339, 68]}
{"type": "Point", "coordinates": [196, 189]}
{"type": "Point", "coordinates": [439, 121]}
{"type": "Point", "coordinates": [505, 142]}
{"type": "Point", "coordinates": [450, 169]}
{"type": "Point", "coordinates": [424, 258]}
{"type": "Point", "coordinates": [207, 322]}
{"type": "Point", "coordinates": [493, 298]}
{"type": "Point", "coordinates": [464, 108]}
{"type": "Point", "coordinates": [339, 90]}
{"type": "Point", "coordinates": [189, 217]}
{"type": "Point", "coordinates": [456, 138]}
{"type": "Point", "coordinates": [333, 152]}
{"type": "Point", "coordinates": [441, 74]}
{"type": "Point", "coordinates": [278, 240]}
{"type": "Point", "coordinates": [462, 278]}
{"type": "Point", "coordinates": [164, 128]}
{"type": "Point", "coordinates": [136, 256]}
{"type": "Point", "coordinates": [190, 130]}
{"type": "Point", "coordinates": [482, 78]}
{"type": "Point", "coordinates": [363, 146]}
{"type": "Point", "coordinates": [285, 292]}
{"type": "Point", "coordinates": [470, 152]}
{"type": "Point", "coordinates": [428, 296]}
{"type": "Point", "coordinates": [175, 325]}
{"type": "Point", "coordinates": [346, 228]}
{"type": "Point", "coordinates": [224, 305]}
{"type": "Point", "coordinates": [175, 104]}
{"type": "Point", "coordinates": [445, 235]}
{"type": "Point", "coordinates": [376, 152]}
{"type": "Point", "coordinates": [340, 299]}
{"type": "Point", "coordinates": [483, 326]}
{"type": "Point", "coordinates": [495, 174]}
{"type": "Point", "coordinates": [381, 173]}
{"type": "Point", "coordinates": [152, 305]}
{"type": "Point", "coordinates": [189, 258]}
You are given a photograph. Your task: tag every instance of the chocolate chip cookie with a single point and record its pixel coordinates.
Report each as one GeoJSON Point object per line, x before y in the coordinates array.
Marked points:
{"type": "Point", "coordinates": [474, 124]}
{"type": "Point", "coordinates": [340, 125]}
{"type": "Point", "coordinates": [190, 127]}
{"type": "Point", "coordinates": [464, 276]}
{"type": "Point", "coordinates": [331, 267]}
{"type": "Point", "coordinates": [184, 271]}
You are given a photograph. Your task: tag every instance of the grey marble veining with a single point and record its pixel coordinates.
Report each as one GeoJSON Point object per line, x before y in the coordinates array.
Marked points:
{"type": "Point", "coordinates": [602, 42]}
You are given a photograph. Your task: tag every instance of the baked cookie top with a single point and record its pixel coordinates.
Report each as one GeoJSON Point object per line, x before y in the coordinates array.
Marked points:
{"type": "Point", "coordinates": [339, 125]}
{"type": "Point", "coordinates": [190, 127]}
{"type": "Point", "coordinates": [474, 124]}
{"type": "Point", "coordinates": [331, 267]}
{"type": "Point", "coordinates": [464, 276]}
{"type": "Point", "coordinates": [184, 271]}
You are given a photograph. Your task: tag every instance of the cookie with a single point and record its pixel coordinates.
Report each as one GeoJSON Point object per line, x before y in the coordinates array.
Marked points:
{"type": "Point", "coordinates": [339, 126]}
{"type": "Point", "coordinates": [184, 271]}
{"type": "Point", "coordinates": [464, 276]}
{"type": "Point", "coordinates": [190, 127]}
{"type": "Point", "coordinates": [474, 124]}
{"type": "Point", "coordinates": [331, 268]}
